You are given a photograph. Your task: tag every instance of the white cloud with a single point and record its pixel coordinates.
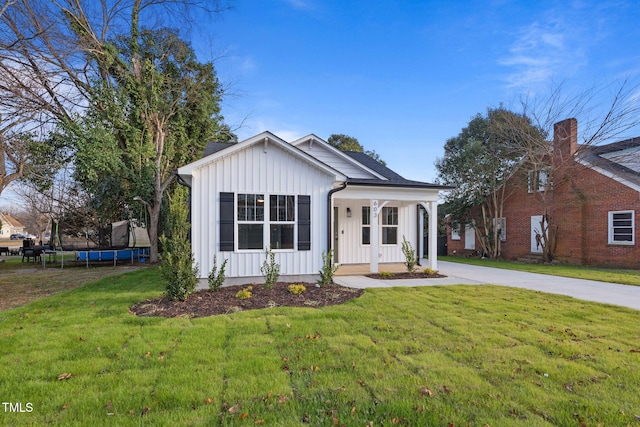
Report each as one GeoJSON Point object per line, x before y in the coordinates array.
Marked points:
{"type": "Point", "coordinates": [542, 51]}
{"type": "Point", "coordinates": [300, 4]}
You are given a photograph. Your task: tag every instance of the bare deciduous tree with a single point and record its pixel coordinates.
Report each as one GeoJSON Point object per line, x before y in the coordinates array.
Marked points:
{"type": "Point", "coordinates": [604, 115]}
{"type": "Point", "coordinates": [52, 53]}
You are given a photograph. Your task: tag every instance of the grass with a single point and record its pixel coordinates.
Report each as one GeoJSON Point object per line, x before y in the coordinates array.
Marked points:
{"type": "Point", "coordinates": [21, 282]}
{"type": "Point", "coordinates": [609, 275]}
{"type": "Point", "coordinates": [452, 355]}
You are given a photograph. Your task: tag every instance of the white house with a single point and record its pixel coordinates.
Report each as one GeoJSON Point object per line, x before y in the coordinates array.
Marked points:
{"type": "Point", "coordinates": [302, 199]}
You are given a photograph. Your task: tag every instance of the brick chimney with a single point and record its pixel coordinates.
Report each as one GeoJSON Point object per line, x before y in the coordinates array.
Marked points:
{"type": "Point", "coordinates": [565, 139]}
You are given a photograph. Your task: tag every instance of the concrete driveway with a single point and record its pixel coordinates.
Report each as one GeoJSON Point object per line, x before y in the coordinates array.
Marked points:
{"type": "Point", "coordinates": [589, 290]}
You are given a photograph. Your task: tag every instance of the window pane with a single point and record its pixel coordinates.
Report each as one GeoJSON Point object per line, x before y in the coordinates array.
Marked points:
{"type": "Point", "coordinates": [250, 236]}
{"type": "Point", "coordinates": [622, 227]}
{"type": "Point", "coordinates": [390, 216]}
{"type": "Point", "coordinates": [250, 207]}
{"type": "Point", "coordinates": [282, 208]}
{"type": "Point", "coordinates": [366, 235]}
{"type": "Point", "coordinates": [281, 236]}
{"type": "Point", "coordinates": [389, 235]}
{"type": "Point", "coordinates": [623, 235]}
{"type": "Point", "coordinates": [366, 215]}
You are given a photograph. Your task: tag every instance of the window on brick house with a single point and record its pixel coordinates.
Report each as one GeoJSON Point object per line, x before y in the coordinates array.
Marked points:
{"type": "Point", "coordinates": [537, 180]}
{"type": "Point", "coordinates": [455, 232]}
{"type": "Point", "coordinates": [500, 227]}
{"type": "Point", "coordinates": [622, 228]}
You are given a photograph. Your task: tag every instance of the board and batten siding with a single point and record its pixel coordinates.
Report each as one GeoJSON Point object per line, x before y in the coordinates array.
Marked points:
{"type": "Point", "coordinates": [350, 247]}
{"type": "Point", "coordinates": [332, 159]}
{"type": "Point", "coordinates": [255, 170]}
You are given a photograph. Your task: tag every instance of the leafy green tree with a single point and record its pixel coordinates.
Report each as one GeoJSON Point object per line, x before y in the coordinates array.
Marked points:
{"type": "Point", "coordinates": [348, 143]}
{"type": "Point", "coordinates": [345, 142]}
{"type": "Point", "coordinates": [155, 113]}
{"type": "Point", "coordinates": [478, 163]}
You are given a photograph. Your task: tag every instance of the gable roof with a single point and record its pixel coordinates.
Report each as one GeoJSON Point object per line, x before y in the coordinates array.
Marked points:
{"type": "Point", "coordinates": [10, 222]}
{"type": "Point", "coordinates": [380, 174]}
{"type": "Point", "coordinates": [218, 150]}
{"type": "Point", "coordinates": [393, 179]}
{"type": "Point", "coordinates": [618, 160]}
{"type": "Point", "coordinates": [337, 158]}
{"type": "Point", "coordinates": [214, 147]}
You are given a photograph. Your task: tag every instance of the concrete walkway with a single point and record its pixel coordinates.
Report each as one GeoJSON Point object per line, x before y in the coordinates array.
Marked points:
{"type": "Point", "coordinates": [589, 290]}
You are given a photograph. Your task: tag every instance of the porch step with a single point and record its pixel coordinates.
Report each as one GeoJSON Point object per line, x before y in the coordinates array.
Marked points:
{"type": "Point", "coordinates": [532, 258]}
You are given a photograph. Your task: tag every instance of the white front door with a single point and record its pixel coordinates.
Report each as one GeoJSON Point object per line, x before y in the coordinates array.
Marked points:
{"type": "Point", "coordinates": [536, 234]}
{"type": "Point", "coordinates": [469, 237]}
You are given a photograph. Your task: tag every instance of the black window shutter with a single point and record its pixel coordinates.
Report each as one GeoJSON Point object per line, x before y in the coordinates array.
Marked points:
{"type": "Point", "coordinates": [304, 223]}
{"type": "Point", "coordinates": [226, 221]}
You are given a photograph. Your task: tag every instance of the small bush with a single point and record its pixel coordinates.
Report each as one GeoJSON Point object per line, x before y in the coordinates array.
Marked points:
{"type": "Point", "coordinates": [244, 293]}
{"type": "Point", "coordinates": [429, 271]}
{"type": "Point", "coordinates": [409, 255]}
{"type": "Point", "coordinates": [328, 269]}
{"type": "Point", "coordinates": [178, 268]}
{"type": "Point", "coordinates": [385, 274]}
{"type": "Point", "coordinates": [297, 289]}
{"type": "Point", "coordinates": [270, 269]}
{"type": "Point", "coordinates": [216, 278]}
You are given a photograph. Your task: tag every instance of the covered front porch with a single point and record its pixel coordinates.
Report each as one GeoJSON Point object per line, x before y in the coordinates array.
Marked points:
{"type": "Point", "coordinates": [368, 225]}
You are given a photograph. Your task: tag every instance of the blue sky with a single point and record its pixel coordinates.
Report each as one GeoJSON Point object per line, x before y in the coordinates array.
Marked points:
{"type": "Point", "coordinates": [404, 76]}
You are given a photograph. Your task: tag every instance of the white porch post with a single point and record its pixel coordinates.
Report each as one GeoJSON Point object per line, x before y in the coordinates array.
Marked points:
{"type": "Point", "coordinates": [432, 210]}
{"type": "Point", "coordinates": [374, 233]}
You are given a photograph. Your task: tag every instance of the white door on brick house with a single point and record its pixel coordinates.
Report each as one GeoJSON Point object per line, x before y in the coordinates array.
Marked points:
{"type": "Point", "coordinates": [469, 237]}
{"type": "Point", "coordinates": [536, 234]}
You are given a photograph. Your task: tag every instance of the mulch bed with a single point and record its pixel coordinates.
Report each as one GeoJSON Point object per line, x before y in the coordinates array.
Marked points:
{"type": "Point", "coordinates": [223, 301]}
{"type": "Point", "coordinates": [404, 275]}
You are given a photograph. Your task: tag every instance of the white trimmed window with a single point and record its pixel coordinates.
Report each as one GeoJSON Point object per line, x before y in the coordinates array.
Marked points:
{"type": "Point", "coordinates": [282, 221]}
{"type": "Point", "coordinates": [622, 228]}
{"type": "Point", "coordinates": [390, 226]}
{"type": "Point", "coordinates": [366, 225]}
{"type": "Point", "coordinates": [250, 221]}
{"type": "Point", "coordinates": [277, 228]}
{"type": "Point", "coordinates": [455, 232]}
{"type": "Point", "coordinates": [537, 180]}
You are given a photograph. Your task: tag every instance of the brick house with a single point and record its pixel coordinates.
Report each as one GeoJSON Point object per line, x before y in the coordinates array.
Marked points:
{"type": "Point", "coordinates": [592, 196]}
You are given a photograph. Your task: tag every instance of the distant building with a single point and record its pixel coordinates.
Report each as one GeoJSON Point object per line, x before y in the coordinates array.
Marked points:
{"type": "Point", "coordinates": [592, 201]}
{"type": "Point", "coordinates": [10, 226]}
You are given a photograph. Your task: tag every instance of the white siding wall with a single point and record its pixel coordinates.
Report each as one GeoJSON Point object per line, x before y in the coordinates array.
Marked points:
{"type": "Point", "coordinates": [253, 171]}
{"type": "Point", "coordinates": [327, 157]}
{"type": "Point", "coordinates": [352, 251]}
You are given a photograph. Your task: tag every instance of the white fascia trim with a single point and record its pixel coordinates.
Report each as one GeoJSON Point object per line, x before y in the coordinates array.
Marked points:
{"type": "Point", "coordinates": [608, 174]}
{"type": "Point", "coordinates": [337, 152]}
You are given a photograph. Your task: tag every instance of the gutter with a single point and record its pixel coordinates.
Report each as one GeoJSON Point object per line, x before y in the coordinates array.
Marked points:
{"type": "Point", "coordinates": [419, 238]}
{"type": "Point", "coordinates": [330, 213]}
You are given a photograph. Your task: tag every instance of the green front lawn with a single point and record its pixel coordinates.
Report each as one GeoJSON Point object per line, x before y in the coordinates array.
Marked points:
{"type": "Point", "coordinates": [429, 356]}
{"type": "Point", "coordinates": [609, 275]}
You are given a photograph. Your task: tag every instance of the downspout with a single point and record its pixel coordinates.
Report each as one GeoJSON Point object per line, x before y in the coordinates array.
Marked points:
{"type": "Point", "coordinates": [330, 213]}
{"type": "Point", "coordinates": [420, 231]}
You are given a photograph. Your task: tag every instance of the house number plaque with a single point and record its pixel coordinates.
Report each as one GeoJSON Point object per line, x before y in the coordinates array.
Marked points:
{"type": "Point", "coordinates": [374, 203]}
